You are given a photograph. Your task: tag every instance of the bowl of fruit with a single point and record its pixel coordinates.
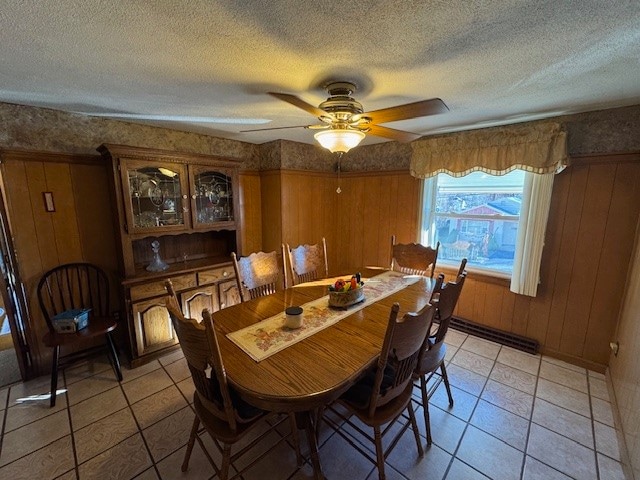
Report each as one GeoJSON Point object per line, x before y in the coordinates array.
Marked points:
{"type": "Point", "coordinates": [346, 292]}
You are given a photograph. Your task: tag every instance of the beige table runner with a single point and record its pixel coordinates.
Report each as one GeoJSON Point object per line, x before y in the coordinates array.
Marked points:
{"type": "Point", "coordinates": [269, 336]}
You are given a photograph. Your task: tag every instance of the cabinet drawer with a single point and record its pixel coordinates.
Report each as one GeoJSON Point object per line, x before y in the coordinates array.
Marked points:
{"type": "Point", "coordinates": [215, 275]}
{"type": "Point", "coordinates": [152, 289]}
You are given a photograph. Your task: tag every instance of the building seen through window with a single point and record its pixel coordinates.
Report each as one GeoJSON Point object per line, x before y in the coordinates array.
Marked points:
{"type": "Point", "coordinates": [474, 217]}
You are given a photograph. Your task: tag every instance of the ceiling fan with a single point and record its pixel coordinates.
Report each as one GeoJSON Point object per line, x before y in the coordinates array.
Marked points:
{"type": "Point", "coordinates": [345, 123]}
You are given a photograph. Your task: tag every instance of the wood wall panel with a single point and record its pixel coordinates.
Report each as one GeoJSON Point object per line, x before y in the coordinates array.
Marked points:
{"type": "Point", "coordinates": [622, 212]}
{"type": "Point", "coordinates": [568, 231]}
{"type": "Point", "coordinates": [97, 238]}
{"type": "Point", "coordinates": [271, 202]}
{"type": "Point", "coordinates": [250, 212]}
{"type": "Point", "coordinates": [585, 258]}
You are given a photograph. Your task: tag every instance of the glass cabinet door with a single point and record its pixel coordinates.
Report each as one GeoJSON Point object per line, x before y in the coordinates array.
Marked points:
{"type": "Point", "coordinates": [156, 196]}
{"type": "Point", "coordinates": [211, 196]}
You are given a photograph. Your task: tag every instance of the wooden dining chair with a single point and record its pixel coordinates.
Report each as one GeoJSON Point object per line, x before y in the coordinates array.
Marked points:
{"type": "Point", "coordinates": [226, 417]}
{"type": "Point", "coordinates": [383, 394]}
{"type": "Point", "coordinates": [258, 274]}
{"type": "Point", "coordinates": [307, 262]}
{"type": "Point", "coordinates": [77, 286]}
{"type": "Point", "coordinates": [431, 362]}
{"type": "Point", "coordinates": [413, 258]}
{"type": "Point", "coordinates": [463, 266]}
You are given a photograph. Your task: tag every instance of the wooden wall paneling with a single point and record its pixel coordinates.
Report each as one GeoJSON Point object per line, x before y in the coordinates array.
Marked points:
{"type": "Point", "coordinates": [371, 215]}
{"type": "Point", "coordinates": [45, 240]}
{"type": "Point", "coordinates": [541, 304]}
{"type": "Point", "coordinates": [493, 306]}
{"type": "Point", "coordinates": [271, 202]}
{"type": "Point", "coordinates": [353, 228]}
{"type": "Point", "coordinates": [466, 300]}
{"type": "Point", "coordinates": [569, 239]}
{"type": "Point", "coordinates": [597, 198]}
{"type": "Point", "coordinates": [254, 217]}
{"type": "Point", "coordinates": [288, 209]}
{"type": "Point", "coordinates": [45, 234]}
{"type": "Point", "coordinates": [332, 219]}
{"type": "Point", "coordinates": [407, 201]}
{"type": "Point", "coordinates": [479, 295]}
{"type": "Point", "coordinates": [27, 249]}
{"type": "Point", "coordinates": [521, 314]}
{"type": "Point", "coordinates": [250, 213]}
{"type": "Point", "coordinates": [255, 241]}
{"type": "Point", "coordinates": [65, 218]}
{"type": "Point", "coordinates": [624, 210]}
{"type": "Point", "coordinates": [385, 220]}
{"type": "Point", "coordinates": [395, 211]}
{"type": "Point", "coordinates": [94, 218]}
{"type": "Point", "coordinates": [304, 217]}
{"type": "Point", "coordinates": [508, 307]}
{"type": "Point", "coordinates": [315, 207]}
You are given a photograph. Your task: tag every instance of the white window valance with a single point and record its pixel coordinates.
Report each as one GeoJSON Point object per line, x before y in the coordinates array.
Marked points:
{"type": "Point", "coordinates": [537, 148]}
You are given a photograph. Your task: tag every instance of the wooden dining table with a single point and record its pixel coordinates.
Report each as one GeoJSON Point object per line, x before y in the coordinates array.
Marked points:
{"type": "Point", "coordinates": [315, 371]}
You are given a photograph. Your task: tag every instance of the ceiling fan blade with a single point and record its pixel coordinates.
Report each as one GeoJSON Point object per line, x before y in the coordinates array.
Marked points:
{"type": "Point", "coordinates": [407, 111]}
{"type": "Point", "coordinates": [392, 133]}
{"type": "Point", "coordinates": [298, 102]}
{"type": "Point", "coordinates": [275, 128]}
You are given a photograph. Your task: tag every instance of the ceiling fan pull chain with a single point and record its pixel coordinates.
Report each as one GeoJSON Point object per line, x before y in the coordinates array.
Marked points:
{"type": "Point", "coordinates": [339, 190]}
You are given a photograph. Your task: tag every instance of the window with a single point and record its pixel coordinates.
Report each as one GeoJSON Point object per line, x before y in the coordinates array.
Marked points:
{"type": "Point", "coordinates": [474, 217]}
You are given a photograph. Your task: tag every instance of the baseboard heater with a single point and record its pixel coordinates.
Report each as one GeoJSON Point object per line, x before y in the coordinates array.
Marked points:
{"type": "Point", "coordinates": [493, 334]}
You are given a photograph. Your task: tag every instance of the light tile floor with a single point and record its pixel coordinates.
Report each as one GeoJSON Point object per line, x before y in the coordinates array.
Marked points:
{"type": "Point", "coordinates": [516, 416]}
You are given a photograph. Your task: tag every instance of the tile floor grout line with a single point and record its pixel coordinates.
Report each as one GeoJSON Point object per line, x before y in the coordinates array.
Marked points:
{"type": "Point", "coordinates": [593, 429]}
{"type": "Point", "coordinates": [455, 450]}
{"type": "Point", "coordinates": [533, 406]}
{"type": "Point", "coordinates": [454, 455]}
{"type": "Point", "coordinates": [74, 451]}
{"type": "Point", "coordinates": [144, 440]}
{"type": "Point", "coordinates": [4, 419]}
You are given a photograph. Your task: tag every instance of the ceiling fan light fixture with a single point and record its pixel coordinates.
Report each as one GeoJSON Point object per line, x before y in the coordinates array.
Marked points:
{"type": "Point", "coordinates": [339, 139]}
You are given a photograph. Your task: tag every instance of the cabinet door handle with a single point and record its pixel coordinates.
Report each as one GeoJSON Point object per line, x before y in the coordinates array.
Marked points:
{"type": "Point", "coordinates": [194, 196]}
{"type": "Point", "coordinates": [225, 274]}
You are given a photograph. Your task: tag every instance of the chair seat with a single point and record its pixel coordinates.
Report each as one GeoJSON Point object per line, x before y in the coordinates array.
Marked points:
{"type": "Point", "coordinates": [385, 413]}
{"type": "Point", "coordinates": [432, 359]}
{"type": "Point", "coordinates": [97, 326]}
{"type": "Point", "coordinates": [219, 428]}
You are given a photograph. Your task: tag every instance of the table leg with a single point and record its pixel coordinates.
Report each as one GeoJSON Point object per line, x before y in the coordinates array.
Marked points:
{"type": "Point", "coordinates": [305, 420]}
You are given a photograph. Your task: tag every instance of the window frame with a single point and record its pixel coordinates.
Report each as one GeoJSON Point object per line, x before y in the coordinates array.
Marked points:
{"type": "Point", "coordinates": [427, 232]}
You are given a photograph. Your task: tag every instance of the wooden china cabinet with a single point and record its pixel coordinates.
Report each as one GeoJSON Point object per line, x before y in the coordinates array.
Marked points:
{"type": "Point", "coordinates": [177, 215]}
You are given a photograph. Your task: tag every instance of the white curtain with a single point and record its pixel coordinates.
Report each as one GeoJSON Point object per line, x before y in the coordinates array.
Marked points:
{"type": "Point", "coordinates": [536, 200]}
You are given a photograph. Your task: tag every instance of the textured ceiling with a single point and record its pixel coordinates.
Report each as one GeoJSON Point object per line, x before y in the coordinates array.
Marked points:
{"type": "Point", "coordinates": [492, 62]}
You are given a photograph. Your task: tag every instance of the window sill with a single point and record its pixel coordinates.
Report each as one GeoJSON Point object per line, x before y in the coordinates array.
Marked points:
{"type": "Point", "coordinates": [496, 278]}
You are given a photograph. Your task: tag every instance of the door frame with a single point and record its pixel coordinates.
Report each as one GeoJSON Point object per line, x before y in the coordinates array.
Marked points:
{"type": "Point", "coordinates": [13, 293]}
